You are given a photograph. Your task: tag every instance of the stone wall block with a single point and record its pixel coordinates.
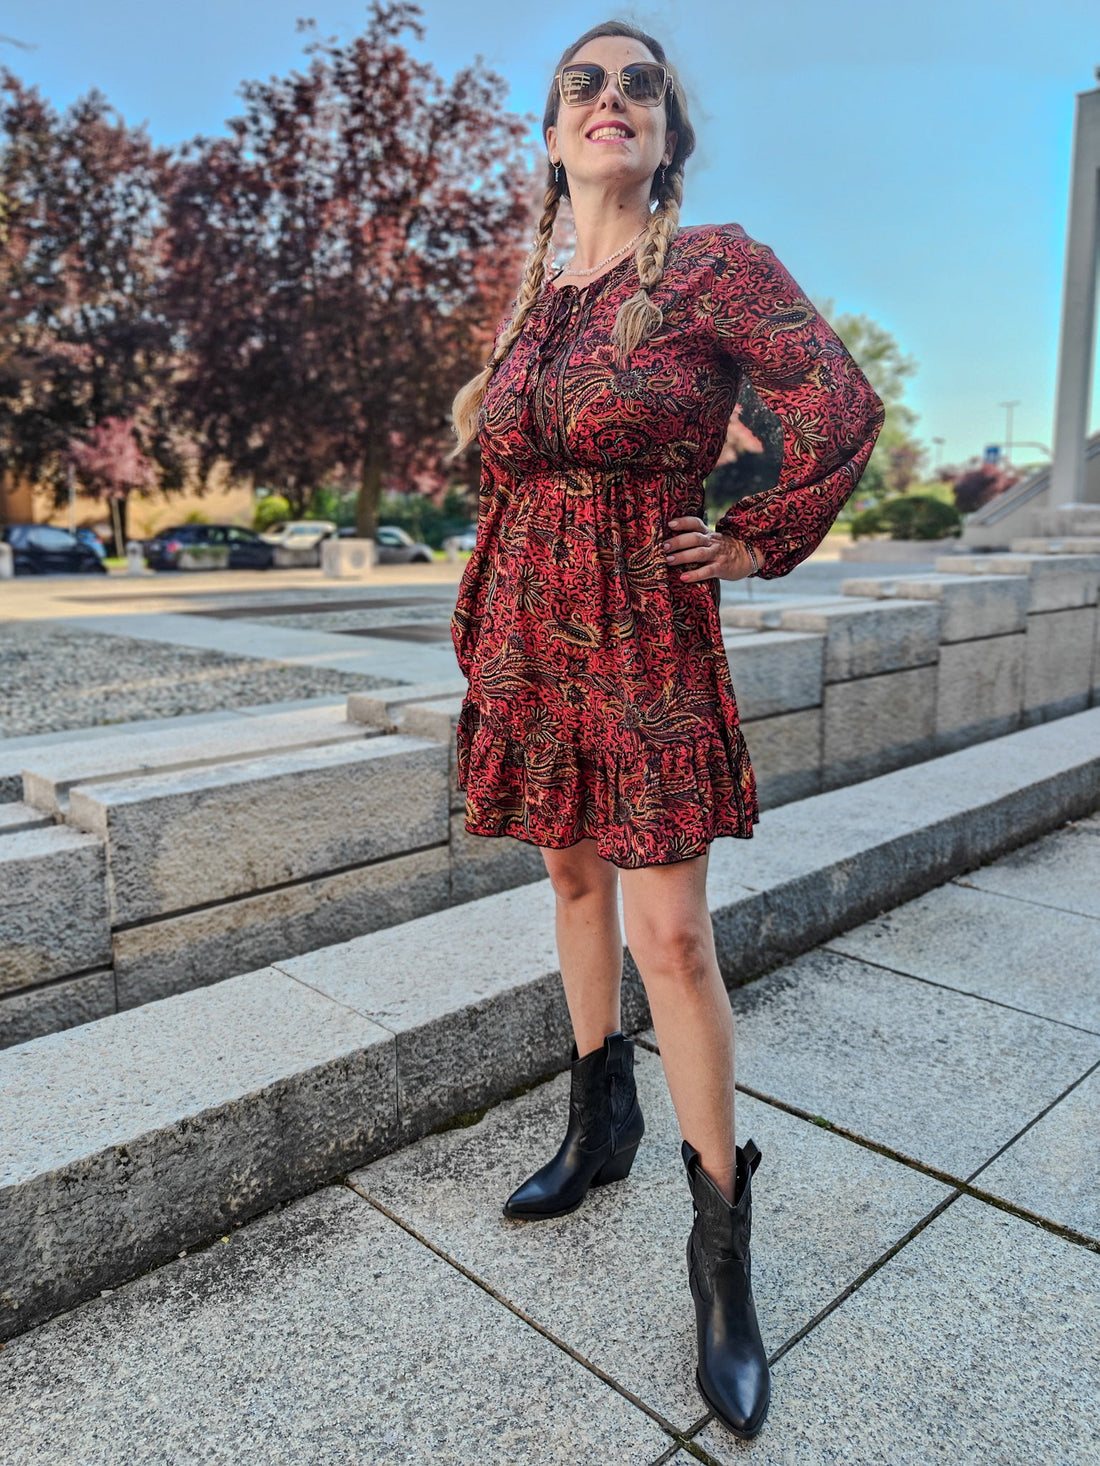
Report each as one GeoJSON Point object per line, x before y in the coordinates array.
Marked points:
{"type": "Point", "coordinates": [775, 671]}
{"type": "Point", "coordinates": [178, 953]}
{"type": "Point", "coordinates": [438, 720]}
{"type": "Point", "coordinates": [979, 690]}
{"type": "Point", "coordinates": [482, 864]}
{"type": "Point", "coordinates": [33, 1012]}
{"type": "Point", "coordinates": [971, 605]}
{"type": "Point", "coordinates": [1056, 582]}
{"type": "Point", "coordinates": [786, 755]}
{"type": "Point", "coordinates": [384, 711]}
{"type": "Point", "coordinates": [1058, 667]}
{"type": "Point", "coordinates": [865, 639]}
{"type": "Point", "coordinates": [203, 835]}
{"type": "Point", "coordinates": [876, 724]}
{"type": "Point", "coordinates": [53, 913]}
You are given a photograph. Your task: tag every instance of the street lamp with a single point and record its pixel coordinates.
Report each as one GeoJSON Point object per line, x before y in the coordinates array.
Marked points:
{"type": "Point", "coordinates": [938, 455]}
{"type": "Point", "coordinates": [1008, 407]}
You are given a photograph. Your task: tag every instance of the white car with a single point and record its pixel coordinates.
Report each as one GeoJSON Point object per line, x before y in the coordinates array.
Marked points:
{"type": "Point", "coordinates": [298, 542]}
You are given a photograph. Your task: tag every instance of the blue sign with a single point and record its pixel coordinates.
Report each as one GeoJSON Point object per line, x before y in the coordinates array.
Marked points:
{"type": "Point", "coordinates": [992, 453]}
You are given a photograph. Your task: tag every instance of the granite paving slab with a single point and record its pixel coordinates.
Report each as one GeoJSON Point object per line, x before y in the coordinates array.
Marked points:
{"type": "Point", "coordinates": [1030, 957]}
{"type": "Point", "coordinates": [610, 1279]}
{"type": "Point", "coordinates": [978, 1343]}
{"type": "Point", "coordinates": [324, 1333]}
{"type": "Point", "coordinates": [1062, 871]}
{"type": "Point", "coordinates": [1054, 1170]}
{"type": "Point", "coordinates": [941, 1077]}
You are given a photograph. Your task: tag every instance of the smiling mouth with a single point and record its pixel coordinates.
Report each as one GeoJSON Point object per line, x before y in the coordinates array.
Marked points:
{"type": "Point", "coordinates": [609, 134]}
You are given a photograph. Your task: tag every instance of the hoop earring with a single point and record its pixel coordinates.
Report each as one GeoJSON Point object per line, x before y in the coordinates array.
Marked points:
{"type": "Point", "coordinates": [557, 172]}
{"type": "Point", "coordinates": [664, 172]}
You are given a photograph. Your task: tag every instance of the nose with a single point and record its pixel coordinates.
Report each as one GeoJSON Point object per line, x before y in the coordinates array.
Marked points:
{"type": "Point", "coordinates": [611, 94]}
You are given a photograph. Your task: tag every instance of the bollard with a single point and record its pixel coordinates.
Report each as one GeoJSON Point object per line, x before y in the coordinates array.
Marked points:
{"type": "Point", "coordinates": [451, 547]}
{"type": "Point", "coordinates": [7, 561]}
{"type": "Point", "coordinates": [135, 558]}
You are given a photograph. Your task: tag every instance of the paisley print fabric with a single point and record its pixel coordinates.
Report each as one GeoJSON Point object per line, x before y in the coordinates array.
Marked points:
{"type": "Point", "coordinates": [600, 703]}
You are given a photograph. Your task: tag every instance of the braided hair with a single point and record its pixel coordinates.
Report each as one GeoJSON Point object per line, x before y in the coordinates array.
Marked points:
{"type": "Point", "coordinates": [638, 318]}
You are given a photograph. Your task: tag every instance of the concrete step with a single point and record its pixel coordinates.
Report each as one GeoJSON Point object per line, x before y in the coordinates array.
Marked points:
{"type": "Point", "coordinates": [53, 915]}
{"type": "Point", "coordinates": [133, 1136]}
{"type": "Point", "coordinates": [178, 840]}
{"type": "Point", "coordinates": [49, 773]}
{"type": "Point", "coordinates": [14, 751]}
{"type": "Point", "coordinates": [18, 816]}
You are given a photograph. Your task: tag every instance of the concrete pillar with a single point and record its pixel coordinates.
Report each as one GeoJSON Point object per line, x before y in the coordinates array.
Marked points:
{"type": "Point", "coordinates": [1077, 347]}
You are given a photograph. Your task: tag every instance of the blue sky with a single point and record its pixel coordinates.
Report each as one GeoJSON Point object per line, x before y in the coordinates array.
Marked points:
{"type": "Point", "coordinates": [907, 160]}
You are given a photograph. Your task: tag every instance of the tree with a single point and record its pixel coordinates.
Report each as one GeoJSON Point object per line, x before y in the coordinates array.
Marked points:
{"type": "Point", "coordinates": [338, 262]}
{"type": "Point", "coordinates": [110, 464]}
{"type": "Point", "coordinates": [896, 461]}
{"type": "Point", "coordinates": [81, 339]}
{"type": "Point", "coordinates": [976, 484]}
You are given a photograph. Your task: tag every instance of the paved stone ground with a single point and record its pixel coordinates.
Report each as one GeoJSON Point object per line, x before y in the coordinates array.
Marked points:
{"type": "Point", "coordinates": [926, 1093]}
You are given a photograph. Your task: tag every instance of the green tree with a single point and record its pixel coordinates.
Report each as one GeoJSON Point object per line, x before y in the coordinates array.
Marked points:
{"type": "Point", "coordinates": [896, 462]}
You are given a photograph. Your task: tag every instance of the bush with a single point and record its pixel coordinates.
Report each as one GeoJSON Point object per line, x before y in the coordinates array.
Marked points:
{"type": "Point", "coordinates": [908, 517]}
{"type": "Point", "coordinates": [272, 510]}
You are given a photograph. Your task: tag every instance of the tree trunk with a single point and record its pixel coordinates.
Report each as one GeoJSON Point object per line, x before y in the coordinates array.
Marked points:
{"type": "Point", "coordinates": [370, 491]}
{"type": "Point", "coordinates": [118, 524]}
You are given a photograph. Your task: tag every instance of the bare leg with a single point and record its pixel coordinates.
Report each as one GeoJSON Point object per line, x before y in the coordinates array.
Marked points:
{"type": "Point", "coordinates": [669, 932]}
{"type": "Point", "coordinates": [590, 943]}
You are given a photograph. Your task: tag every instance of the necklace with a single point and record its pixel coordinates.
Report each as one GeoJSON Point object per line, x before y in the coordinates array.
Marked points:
{"type": "Point", "coordinates": [630, 242]}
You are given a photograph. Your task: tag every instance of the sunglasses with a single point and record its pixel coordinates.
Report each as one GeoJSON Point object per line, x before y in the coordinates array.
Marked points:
{"type": "Point", "coordinates": [644, 82]}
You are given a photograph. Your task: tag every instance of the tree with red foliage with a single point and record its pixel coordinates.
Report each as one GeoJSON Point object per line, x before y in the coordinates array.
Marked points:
{"type": "Point", "coordinates": [110, 464]}
{"type": "Point", "coordinates": [976, 484]}
{"type": "Point", "coordinates": [338, 261]}
{"type": "Point", "coordinates": [81, 338]}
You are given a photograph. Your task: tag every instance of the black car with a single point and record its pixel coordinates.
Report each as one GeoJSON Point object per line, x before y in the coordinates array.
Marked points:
{"type": "Point", "coordinates": [42, 549]}
{"type": "Point", "coordinates": [247, 551]}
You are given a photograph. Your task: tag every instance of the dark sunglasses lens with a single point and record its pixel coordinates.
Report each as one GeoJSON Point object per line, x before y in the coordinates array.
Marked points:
{"type": "Point", "coordinates": [581, 84]}
{"type": "Point", "coordinates": [644, 83]}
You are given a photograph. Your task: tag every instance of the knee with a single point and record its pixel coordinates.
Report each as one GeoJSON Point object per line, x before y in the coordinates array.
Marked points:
{"type": "Point", "coordinates": [578, 880]}
{"type": "Point", "coordinates": [678, 953]}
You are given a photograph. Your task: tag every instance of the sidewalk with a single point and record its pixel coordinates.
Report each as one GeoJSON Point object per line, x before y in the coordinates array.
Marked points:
{"type": "Point", "coordinates": [926, 1093]}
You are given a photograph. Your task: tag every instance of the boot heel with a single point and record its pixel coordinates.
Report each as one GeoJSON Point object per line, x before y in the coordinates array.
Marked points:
{"type": "Point", "coordinates": [616, 1167]}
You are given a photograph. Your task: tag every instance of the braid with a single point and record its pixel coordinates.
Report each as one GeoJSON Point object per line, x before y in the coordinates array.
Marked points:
{"type": "Point", "coordinates": [465, 407]}
{"type": "Point", "coordinates": [640, 317]}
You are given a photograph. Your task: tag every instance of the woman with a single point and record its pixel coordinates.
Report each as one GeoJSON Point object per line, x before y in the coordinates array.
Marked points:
{"type": "Point", "coordinates": [600, 721]}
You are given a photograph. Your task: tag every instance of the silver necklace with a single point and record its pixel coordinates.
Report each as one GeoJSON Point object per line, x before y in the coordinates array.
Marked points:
{"type": "Point", "coordinates": [630, 242]}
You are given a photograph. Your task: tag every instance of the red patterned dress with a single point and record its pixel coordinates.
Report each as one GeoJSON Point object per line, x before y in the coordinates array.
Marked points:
{"type": "Point", "coordinates": [600, 703]}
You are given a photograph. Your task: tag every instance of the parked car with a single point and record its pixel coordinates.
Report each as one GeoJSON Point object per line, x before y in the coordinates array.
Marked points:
{"type": "Point", "coordinates": [467, 540]}
{"type": "Point", "coordinates": [395, 547]}
{"type": "Point", "coordinates": [92, 540]}
{"type": "Point", "coordinates": [247, 551]}
{"type": "Point", "coordinates": [43, 549]}
{"type": "Point", "coordinates": [302, 537]}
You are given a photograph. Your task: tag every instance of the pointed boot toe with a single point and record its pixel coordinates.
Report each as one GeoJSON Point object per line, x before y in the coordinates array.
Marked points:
{"type": "Point", "coordinates": [733, 1375]}
{"type": "Point", "coordinates": [604, 1131]}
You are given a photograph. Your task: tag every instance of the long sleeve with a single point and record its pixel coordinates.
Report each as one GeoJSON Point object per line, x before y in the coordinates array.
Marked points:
{"type": "Point", "coordinates": [830, 413]}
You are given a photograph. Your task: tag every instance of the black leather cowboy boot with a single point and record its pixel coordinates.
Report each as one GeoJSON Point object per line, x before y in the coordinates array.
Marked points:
{"type": "Point", "coordinates": [733, 1375]}
{"type": "Point", "coordinates": [605, 1128]}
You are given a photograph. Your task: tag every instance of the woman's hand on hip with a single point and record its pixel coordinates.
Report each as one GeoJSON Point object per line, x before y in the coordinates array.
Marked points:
{"type": "Point", "coordinates": [704, 554]}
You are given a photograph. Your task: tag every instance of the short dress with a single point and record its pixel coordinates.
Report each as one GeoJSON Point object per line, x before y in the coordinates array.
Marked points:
{"type": "Point", "coordinates": [600, 704]}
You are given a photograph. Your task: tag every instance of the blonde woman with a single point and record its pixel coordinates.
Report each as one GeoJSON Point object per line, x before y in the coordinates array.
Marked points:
{"type": "Point", "coordinates": [600, 720]}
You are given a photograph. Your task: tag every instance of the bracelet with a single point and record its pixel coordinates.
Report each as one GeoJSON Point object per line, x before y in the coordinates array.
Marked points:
{"type": "Point", "coordinates": [752, 557]}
